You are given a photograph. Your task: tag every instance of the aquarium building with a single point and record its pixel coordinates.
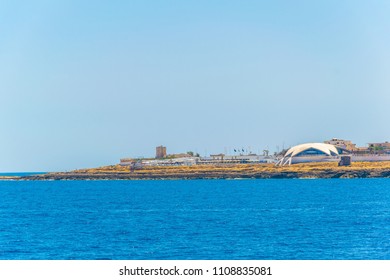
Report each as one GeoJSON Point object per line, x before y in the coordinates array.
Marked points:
{"type": "Point", "coordinates": [311, 152]}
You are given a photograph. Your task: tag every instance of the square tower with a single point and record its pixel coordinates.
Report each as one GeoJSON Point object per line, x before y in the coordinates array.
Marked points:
{"type": "Point", "coordinates": [161, 152]}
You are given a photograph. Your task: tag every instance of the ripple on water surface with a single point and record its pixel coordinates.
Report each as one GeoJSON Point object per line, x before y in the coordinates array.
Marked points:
{"type": "Point", "coordinates": [200, 219]}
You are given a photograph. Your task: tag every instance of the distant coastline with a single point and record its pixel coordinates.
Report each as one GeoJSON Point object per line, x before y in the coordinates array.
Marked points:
{"type": "Point", "coordinates": [234, 171]}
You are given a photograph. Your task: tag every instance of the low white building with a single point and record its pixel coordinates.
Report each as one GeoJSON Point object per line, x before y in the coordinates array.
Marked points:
{"type": "Point", "coordinates": [229, 159]}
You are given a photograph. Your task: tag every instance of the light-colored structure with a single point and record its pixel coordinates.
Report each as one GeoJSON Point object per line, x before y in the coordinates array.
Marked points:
{"type": "Point", "coordinates": [345, 144]}
{"type": "Point", "coordinates": [236, 159]}
{"type": "Point", "coordinates": [170, 162]}
{"type": "Point", "coordinates": [370, 157]}
{"type": "Point", "coordinates": [127, 161]}
{"type": "Point", "coordinates": [310, 152]}
{"type": "Point", "coordinates": [377, 147]}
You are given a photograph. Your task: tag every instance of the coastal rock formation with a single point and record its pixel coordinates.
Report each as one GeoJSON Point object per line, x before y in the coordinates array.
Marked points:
{"type": "Point", "coordinates": [242, 171]}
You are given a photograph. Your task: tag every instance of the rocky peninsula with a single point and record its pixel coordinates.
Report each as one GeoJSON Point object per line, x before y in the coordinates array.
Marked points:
{"type": "Point", "coordinates": [224, 171]}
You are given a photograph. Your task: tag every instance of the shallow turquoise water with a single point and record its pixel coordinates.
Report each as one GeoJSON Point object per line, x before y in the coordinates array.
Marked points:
{"type": "Point", "coordinates": [200, 219]}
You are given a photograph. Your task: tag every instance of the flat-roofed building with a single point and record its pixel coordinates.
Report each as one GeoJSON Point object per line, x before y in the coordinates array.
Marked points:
{"type": "Point", "coordinates": [379, 147]}
{"type": "Point", "coordinates": [127, 161]}
{"type": "Point", "coordinates": [345, 144]}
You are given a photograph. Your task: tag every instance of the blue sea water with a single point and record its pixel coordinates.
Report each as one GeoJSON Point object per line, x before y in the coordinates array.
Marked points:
{"type": "Point", "coordinates": [200, 219]}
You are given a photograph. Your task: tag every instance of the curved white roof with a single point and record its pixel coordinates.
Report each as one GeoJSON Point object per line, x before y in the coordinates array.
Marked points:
{"type": "Point", "coordinates": [325, 148]}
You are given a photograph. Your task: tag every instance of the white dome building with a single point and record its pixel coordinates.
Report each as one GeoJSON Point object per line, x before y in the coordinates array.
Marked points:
{"type": "Point", "coordinates": [311, 152]}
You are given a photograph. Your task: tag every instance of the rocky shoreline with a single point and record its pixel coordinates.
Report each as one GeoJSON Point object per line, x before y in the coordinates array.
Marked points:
{"type": "Point", "coordinates": [6, 178]}
{"type": "Point", "coordinates": [239, 171]}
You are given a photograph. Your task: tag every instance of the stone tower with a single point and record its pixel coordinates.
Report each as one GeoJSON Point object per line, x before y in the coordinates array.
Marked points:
{"type": "Point", "coordinates": [161, 152]}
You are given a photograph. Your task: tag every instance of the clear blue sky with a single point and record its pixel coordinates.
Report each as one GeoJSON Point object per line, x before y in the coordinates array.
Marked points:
{"type": "Point", "coordinates": [84, 83]}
